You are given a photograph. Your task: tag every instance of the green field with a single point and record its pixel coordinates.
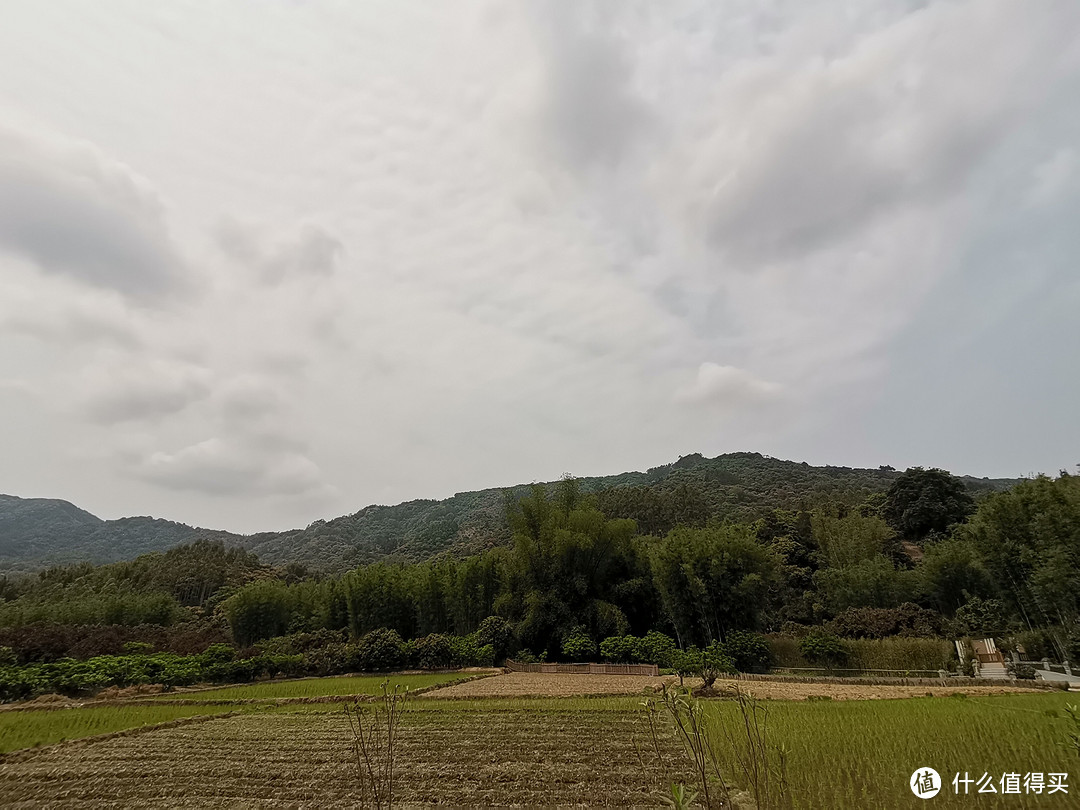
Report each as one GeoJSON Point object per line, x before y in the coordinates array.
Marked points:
{"type": "Point", "coordinates": [318, 687]}
{"type": "Point", "coordinates": [862, 753]}
{"type": "Point", "coordinates": [534, 751]}
{"type": "Point", "coordinates": [33, 728]}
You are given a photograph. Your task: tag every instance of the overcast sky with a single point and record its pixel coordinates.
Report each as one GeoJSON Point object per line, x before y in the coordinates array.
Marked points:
{"type": "Point", "coordinates": [263, 262]}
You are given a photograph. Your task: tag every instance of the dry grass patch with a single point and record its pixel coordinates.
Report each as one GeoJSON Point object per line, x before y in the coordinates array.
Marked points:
{"type": "Point", "coordinates": [536, 684]}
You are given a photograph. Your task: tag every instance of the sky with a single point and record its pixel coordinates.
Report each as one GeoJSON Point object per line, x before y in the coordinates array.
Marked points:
{"type": "Point", "coordinates": [266, 262]}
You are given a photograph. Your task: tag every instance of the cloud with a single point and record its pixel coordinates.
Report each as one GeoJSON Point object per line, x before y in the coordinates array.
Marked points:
{"type": "Point", "coordinates": [125, 389]}
{"type": "Point", "coordinates": [308, 253]}
{"type": "Point", "coordinates": [71, 211]}
{"type": "Point", "coordinates": [589, 107]}
{"type": "Point", "coordinates": [726, 387]}
{"type": "Point", "coordinates": [796, 154]}
{"type": "Point", "coordinates": [228, 468]}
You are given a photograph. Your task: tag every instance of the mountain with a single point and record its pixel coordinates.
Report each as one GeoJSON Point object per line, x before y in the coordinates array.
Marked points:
{"type": "Point", "coordinates": [37, 532]}
{"type": "Point", "coordinates": [738, 486]}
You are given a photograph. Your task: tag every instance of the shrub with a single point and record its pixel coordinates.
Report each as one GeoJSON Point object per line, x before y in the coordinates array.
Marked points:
{"type": "Point", "coordinates": [749, 652]}
{"type": "Point", "coordinates": [380, 649]}
{"type": "Point", "coordinates": [137, 648]}
{"type": "Point", "coordinates": [824, 648]}
{"type": "Point", "coordinates": [620, 649]}
{"type": "Point", "coordinates": [656, 648]}
{"type": "Point", "coordinates": [577, 646]}
{"type": "Point", "coordinates": [714, 662]}
{"type": "Point", "coordinates": [498, 633]}
{"type": "Point", "coordinates": [433, 651]}
{"type": "Point", "coordinates": [870, 622]}
{"type": "Point", "coordinates": [528, 657]}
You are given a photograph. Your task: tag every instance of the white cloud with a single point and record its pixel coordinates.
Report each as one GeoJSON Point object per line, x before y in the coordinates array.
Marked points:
{"type": "Point", "coordinates": [726, 387]}
{"type": "Point", "coordinates": [439, 247]}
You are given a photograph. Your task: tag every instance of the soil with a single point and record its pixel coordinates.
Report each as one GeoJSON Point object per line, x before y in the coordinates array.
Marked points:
{"type": "Point", "coordinates": [534, 684]}
{"type": "Point", "coordinates": [462, 757]}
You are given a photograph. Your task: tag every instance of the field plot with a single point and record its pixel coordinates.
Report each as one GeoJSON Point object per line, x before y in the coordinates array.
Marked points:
{"type": "Point", "coordinates": [33, 728]}
{"type": "Point", "coordinates": [461, 754]}
{"type": "Point", "coordinates": [318, 687]}
{"type": "Point", "coordinates": [543, 751]}
{"type": "Point", "coordinates": [535, 684]}
{"type": "Point", "coordinates": [856, 754]}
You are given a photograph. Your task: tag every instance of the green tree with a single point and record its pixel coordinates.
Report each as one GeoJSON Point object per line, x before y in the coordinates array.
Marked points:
{"type": "Point", "coordinates": [923, 501]}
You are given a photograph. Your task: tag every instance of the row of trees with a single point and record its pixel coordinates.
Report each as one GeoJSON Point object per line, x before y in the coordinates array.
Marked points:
{"type": "Point", "coordinates": [573, 570]}
{"type": "Point", "coordinates": [921, 559]}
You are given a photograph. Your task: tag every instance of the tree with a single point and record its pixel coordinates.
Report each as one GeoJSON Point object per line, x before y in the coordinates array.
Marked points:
{"type": "Point", "coordinates": [923, 501]}
{"type": "Point", "coordinates": [715, 580]}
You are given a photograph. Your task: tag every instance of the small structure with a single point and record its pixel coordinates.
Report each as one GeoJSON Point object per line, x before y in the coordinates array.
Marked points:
{"type": "Point", "coordinates": [989, 662]}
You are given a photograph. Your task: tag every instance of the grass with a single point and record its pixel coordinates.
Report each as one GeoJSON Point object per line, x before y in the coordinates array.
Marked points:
{"type": "Point", "coordinates": [33, 728]}
{"type": "Point", "coordinates": [317, 687]}
{"type": "Point", "coordinates": [839, 754]}
{"type": "Point", "coordinates": [862, 753]}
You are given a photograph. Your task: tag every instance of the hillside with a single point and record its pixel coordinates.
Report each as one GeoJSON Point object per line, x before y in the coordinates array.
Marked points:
{"type": "Point", "coordinates": [734, 485]}
{"type": "Point", "coordinates": [38, 532]}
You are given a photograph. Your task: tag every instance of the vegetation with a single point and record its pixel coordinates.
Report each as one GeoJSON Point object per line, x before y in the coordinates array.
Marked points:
{"type": "Point", "coordinates": [842, 754]}
{"type": "Point", "coordinates": [319, 687]}
{"type": "Point", "coordinates": [32, 729]}
{"type": "Point", "coordinates": [843, 585]}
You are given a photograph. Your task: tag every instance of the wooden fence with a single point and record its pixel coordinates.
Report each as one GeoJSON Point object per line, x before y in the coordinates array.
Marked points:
{"type": "Point", "coordinates": [585, 669]}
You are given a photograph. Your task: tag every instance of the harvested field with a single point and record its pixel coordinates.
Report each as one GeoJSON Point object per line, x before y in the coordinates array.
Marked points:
{"type": "Point", "coordinates": [464, 756]}
{"type": "Point", "coordinates": [320, 687]}
{"type": "Point", "coordinates": [535, 684]}
{"type": "Point", "coordinates": [778, 690]}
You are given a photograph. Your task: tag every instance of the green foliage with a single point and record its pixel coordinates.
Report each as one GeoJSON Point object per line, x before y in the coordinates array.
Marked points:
{"type": "Point", "coordinates": [578, 646]}
{"type": "Point", "coordinates": [824, 648]}
{"type": "Point", "coordinates": [497, 633]}
{"type": "Point", "coordinates": [981, 617]}
{"type": "Point", "coordinates": [381, 649]}
{"type": "Point", "coordinates": [749, 652]}
{"type": "Point", "coordinates": [920, 502]}
{"type": "Point", "coordinates": [907, 619]}
{"type": "Point", "coordinates": [713, 662]}
{"type": "Point", "coordinates": [715, 580]}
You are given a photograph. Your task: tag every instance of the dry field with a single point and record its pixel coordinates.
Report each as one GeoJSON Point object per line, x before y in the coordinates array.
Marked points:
{"type": "Point", "coordinates": [463, 756]}
{"type": "Point", "coordinates": [534, 684]}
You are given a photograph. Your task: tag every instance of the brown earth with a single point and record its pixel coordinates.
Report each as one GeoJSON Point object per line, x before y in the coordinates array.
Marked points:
{"type": "Point", "coordinates": [461, 757]}
{"type": "Point", "coordinates": [534, 684]}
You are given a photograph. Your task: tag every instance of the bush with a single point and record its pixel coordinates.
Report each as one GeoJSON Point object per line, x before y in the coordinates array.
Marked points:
{"type": "Point", "coordinates": [749, 652]}
{"type": "Point", "coordinates": [656, 648]}
{"type": "Point", "coordinates": [824, 648]}
{"type": "Point", "coordinates": [714, 662]}
{"type": "Point", "coordinates": [620, 649]}
{"type": "Point", "coordinates": [577, 646]}
{"type": "Point", "coordinates": [433, 651]}
{"type": "Point", "coordinates": [870, 622]}
{"type": "Point", "coordinates": [380, 649]}
{"type": "Point", "coordinates": [498, 633]}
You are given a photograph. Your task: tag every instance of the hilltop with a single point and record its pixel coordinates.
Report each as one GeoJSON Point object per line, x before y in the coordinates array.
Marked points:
{"type": "Point", "coordinates": [37, 532]}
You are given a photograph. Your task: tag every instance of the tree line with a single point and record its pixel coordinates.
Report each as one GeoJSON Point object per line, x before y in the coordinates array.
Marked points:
{"type": "Point", "coordinates": [921, 559]}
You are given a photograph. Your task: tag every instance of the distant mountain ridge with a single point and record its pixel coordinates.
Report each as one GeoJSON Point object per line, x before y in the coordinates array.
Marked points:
{"type": "Point", "coordinates": [37, 532]}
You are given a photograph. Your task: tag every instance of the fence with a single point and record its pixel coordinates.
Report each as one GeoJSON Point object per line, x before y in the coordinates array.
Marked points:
{"type": "Point", "coordinates": [585, 669]}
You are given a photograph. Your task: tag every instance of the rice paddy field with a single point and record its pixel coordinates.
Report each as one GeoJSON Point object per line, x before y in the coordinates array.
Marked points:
{"type": "Point", "coordinates": [529, 751]}
{"type": "Point", "coordinates": [319, 687]}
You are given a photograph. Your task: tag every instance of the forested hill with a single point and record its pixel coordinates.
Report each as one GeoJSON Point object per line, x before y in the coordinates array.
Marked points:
{"type": "Point", "coordinates": [37, 532]}
{"type": "Point", "coordinates": [738, 486]}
